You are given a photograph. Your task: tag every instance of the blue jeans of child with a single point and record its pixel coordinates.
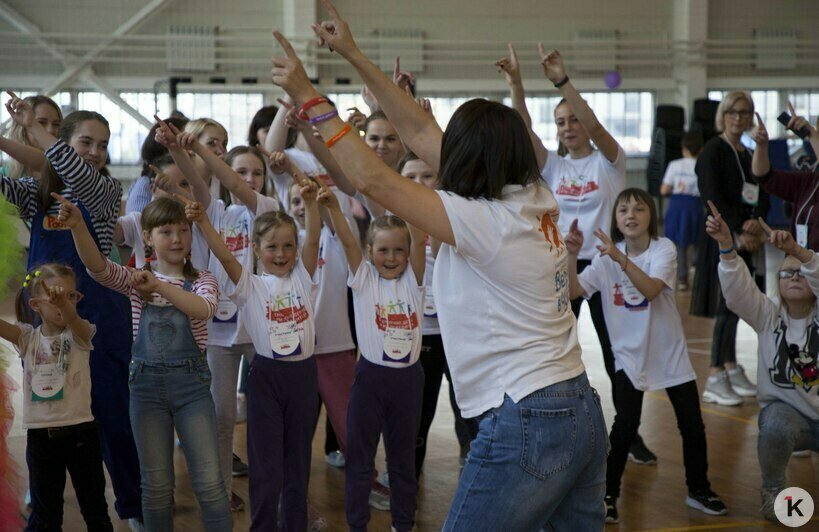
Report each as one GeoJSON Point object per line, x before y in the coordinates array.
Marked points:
{"type": "Point", "coordinates": [539, 463]}
{"type": "Point", "coordinates": [782, 430]}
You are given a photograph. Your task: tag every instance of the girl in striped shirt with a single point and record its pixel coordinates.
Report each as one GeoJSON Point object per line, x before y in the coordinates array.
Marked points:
{"type": "Point", "coordinates": [169, 377]}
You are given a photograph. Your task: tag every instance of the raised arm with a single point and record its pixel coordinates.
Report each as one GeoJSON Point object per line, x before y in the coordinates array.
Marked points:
{"type": "Point", "coordinates": [195, 212]}
{"type": "Point", "coordinates": [58, 297]}
{"type": "Point", "coordinates": [418, 253]}
{"type": "Point", "coordinates": [87, 249]}
{"type": "Point", "coordinates": [9, 332]}
{"type": "Point", "coordinates": [797, 123]}
{"type": "Point", "coordinates": [191, 304]}
{"type": "Point", "coordinates": [276, 139]}
{"type": "Point", "coordinates": [312, 223]}
{"type": "Point", "coordinates": [417, 129]}
{"type": "Point", "coordinates": [554, 70]}
{"type": "Point", "coordinates": [650, 287]}
{"type": "Point", "coordinates": [225, 174]}
{"type": "Point", "coordinates": [511, 70]}
{"type": "Point", "coordinates": [574, 243]}
{"type": "Point", "coordinates": [329, 200]}
{"type": "Point", "coordinates": [169, 136]}
{"type": "Point", "coordinates": [411, 201]}
{"type": "Point", "coordinates": [761, 163]}
{"type": "Point", "coordinates": [29, 156]}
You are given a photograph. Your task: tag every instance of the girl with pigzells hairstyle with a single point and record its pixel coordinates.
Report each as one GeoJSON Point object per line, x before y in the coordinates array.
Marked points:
{"type": "Point", "coordinates": [282, 391]}
{"type": "Point", "coordinates": [76, 169]}
{"type": "Point", "coordinates": [501, 257]}
{"type": "Point", "coordinates": [169, 376]}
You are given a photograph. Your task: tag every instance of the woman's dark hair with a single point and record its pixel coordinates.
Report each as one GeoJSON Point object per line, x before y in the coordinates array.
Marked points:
{"type": "Point", "coordinates": [50, 180]}
{"type": "Point", "coordinates": [485, 147]}
{"type": "Point", "coordinates": [378, 115]}
{"type": "Point", "coordinates": [151, 149]}
{"type": "Point", "coordinates": [262, 119]}
{"type": "Point", "coordinates": [692, 141]}
{"type": "Point", "coordinates": [164, 211]}
{"type": "Point", "coordinates": [409, 156]}
{"type": "Point", "coordinates": [643, 197]}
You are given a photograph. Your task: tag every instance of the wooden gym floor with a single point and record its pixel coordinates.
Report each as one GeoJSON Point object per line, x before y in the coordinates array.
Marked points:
{"type": "Point", "coordinates": [652, 496]}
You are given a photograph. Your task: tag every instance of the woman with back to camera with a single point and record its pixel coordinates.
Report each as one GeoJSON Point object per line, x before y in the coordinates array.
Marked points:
{"type": "Point", "coordinates": [539, 457]}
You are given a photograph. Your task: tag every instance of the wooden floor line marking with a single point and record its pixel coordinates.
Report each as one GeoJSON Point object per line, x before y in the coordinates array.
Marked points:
{"type": "Point", "coordinates": [715, 527]}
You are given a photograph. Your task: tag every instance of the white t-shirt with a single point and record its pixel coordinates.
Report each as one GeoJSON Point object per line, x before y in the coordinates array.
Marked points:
{"type": "Point", "coordinates": [131, 225]}
{"type": "Point", "coordinates": [235, 224]}
{"type": "Point", "coordinates": [585, 189]}
{"type": "Point", "coordinates": [387, 321]}
{"type": "Point", "coordinates": [332, 319]}
{"type": "Point", "coordinates": [681, 176]}
{"type": "Point", "coordinates": [47, 361]}
{"type": "Point", "coordinates": [502, 294]}
{"type": "Point", "coordinates": [647, 336]}
{"type": "Point", "coordinates": [430, 311]}
{"type": "Point", "coordinates": [278, 312]}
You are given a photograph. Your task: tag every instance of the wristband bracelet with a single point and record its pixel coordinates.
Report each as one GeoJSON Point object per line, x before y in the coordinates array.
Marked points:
{"type": "Point", "coordinates": [302, 112]}
{"type": "Point", "coordinates": [562, 82]}
{"type": "Point", "coordinates": [346, 129]}
{"type": "Point", "coordinates": [321, 118]}
{"type": "Point", "coordinates": [727, 251]}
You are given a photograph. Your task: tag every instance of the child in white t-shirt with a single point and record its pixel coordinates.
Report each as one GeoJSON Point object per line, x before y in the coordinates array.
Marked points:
{"type": "Point", "coordinates": [684, 217]}
{"type": "Point", "coordinates": [277, 311]}
{"type": "Point", "coordinates": [388, 295]}
{"type": "Point", "coordinates": [61, 431]}
{"type": "Point", "coordinates": [634, 272]}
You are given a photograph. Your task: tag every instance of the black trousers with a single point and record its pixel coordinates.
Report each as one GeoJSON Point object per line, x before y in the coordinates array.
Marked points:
{"type": "Point", "coordinates": [685, 400]}
{"type": "Point", "coordinates": [49, 453]}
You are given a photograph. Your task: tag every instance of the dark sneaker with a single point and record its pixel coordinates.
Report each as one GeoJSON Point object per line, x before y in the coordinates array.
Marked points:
{"type": "Point", "coordinates": [239, 467]}
{"type": "Point", "coordinates": [236, 503]}
{"type": "Point", "coordinates": [706, 501]}
{"type": "Point", "coordinates": [611, 509]}
{"type": "Point", "coordinates": [640, 454]}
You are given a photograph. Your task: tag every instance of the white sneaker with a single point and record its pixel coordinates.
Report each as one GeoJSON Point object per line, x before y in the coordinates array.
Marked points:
{"type": "Point", "coordinates": [718, 390]}
{"type": "Point", "coordinates": [336, 459]}
{"type": "Point", "coordinates": [740, 383]}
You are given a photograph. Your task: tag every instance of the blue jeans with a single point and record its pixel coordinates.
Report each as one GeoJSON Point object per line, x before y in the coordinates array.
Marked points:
{"type": "Point", "coordinates": [782, 430]}
{"type": "Point", "coordinates": [540, 463]}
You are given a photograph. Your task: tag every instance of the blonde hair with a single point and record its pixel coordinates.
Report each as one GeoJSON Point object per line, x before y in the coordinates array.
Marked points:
{"type": "Point", "coordinates": [198, 126]}
{"type": "Point", "coordinates": [15, 168]}
{"type": "Point", "coordinates": [727, 103]}
{"type": "Point", "coordinates": [385, 223]}
{"type": "Point", "coordinates": [32, 284]}
{"type": "Point", "coordinates": [270, 221]}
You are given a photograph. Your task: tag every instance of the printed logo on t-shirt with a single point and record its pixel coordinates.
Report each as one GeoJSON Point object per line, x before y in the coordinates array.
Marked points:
{"type": "Point", "coordinates": [626, 295]}
{"type": "Point", "coordinates": [395, 315]}
{"type": "Point", "coordinates": [52, 223]}
{"type": "Point", "coordinates": [551, 233]}
{"type": "Point", "coordinates": [285, 308]}
{"type": "Point", "coordinates": [575, 186]}
{"type": "Point", "coordinates": [236, 237]}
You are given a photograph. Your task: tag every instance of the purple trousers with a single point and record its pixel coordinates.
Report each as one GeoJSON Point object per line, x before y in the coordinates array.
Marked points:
{"type": "Point", "coordinates": [387, 399]}
{"type": "Point", "coordinates": [282, 399]}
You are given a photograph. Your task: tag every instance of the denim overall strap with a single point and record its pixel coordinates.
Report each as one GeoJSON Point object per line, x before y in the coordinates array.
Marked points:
{"type": "Point", "coordinates": [165, 336]}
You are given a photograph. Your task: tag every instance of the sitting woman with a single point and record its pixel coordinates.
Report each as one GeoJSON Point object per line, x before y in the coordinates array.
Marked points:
{"type": "Point", "coordinates": [787, 378]}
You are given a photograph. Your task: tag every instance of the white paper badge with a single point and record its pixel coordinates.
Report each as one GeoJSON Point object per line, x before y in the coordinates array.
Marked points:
{"type": "Point", "coordinates": [226, 311]}
{"type": "Point", "coordinates": [802, 235]}
{"type": "Point", "coordinates": [750, 194]}
{"type": "Point", "coordinates": [397, 344]}
{"type": "Point", "coordinates": [47, 382]}
{"type": "Point", "coordinates": [429, 305]}
{"type": "Point", "coordinates": [284, 338]}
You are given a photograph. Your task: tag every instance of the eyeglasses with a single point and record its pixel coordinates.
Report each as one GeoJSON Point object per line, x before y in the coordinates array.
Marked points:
{"type": "Point", "coordinates": [744, 113]}
{"type": "Point", "coordinates": [787, 274]}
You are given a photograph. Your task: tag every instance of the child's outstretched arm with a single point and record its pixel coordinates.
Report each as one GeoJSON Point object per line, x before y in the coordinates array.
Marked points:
{"type": "Point", "coordinates": [574, 243]}
{"type": "Point", "coordinates": [169, 136]}
{"type": "Point", "coordinates": [10, 332]}
{"type": "Point", "coordinates": [195, 212]}
{"type": "Point", "coordinates": [511, 69]}
{"type": "Point", "coordinates": [327, 199]}
{"type": "Point", "coordinates": [57, 296]}
{"type": "Point", "coordinates": [650, 287]}
{"type": "Point", "coordinates": [418, 252]}
{"type": "Point", "coordinates": [276, 139]}
{"type": "Point", "coordinates": [87, 249]}
{"type": "Point", "coordinates": [312, 223]}
{"type": "Point", "coordinates": [223, 172]}
{"type": "Point", "coordinates": [191, 304]}
{"type": "Point", "coordinates": [28, 156]}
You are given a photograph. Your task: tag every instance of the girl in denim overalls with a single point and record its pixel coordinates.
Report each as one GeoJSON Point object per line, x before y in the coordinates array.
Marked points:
{"type": "Point", "coordinates": [282, 388]}
{"type": "Point", "coordinates": [169, 376]}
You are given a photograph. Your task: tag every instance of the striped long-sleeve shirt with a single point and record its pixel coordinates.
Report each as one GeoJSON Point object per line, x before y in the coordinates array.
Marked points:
{"type": "Point", "coordinates": [118, 278]}
{"type": "Point", "coordinates": [98, 193]}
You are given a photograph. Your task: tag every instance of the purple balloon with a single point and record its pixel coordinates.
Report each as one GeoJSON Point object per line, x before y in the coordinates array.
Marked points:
{"type": "Point", "coordinates": [613, 79]}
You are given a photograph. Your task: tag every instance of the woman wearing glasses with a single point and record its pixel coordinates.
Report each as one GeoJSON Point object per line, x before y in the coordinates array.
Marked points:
{"type": "Point", "coordinates": [724, 177]}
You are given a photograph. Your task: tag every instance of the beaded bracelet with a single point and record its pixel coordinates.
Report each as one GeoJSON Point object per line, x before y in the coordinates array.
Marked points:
{"type": "Point", "coordinates": [321, 118]}
{"type": "Point", "coordinates": [562, 82]}
{"type": "Point", "coordinates": [302, 112]}
{"type": "Point", "coordinates": [346, 129]}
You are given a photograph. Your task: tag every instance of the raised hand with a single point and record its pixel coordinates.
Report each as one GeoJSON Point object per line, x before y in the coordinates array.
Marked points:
{"type": "Point", "coordinates": [69, 215]}
{"type": "Point", "coordinates": [404, 80]}
{"type": "Point", "coordinates": [796, 123]}
{"type": "Point", "coordinates": [144, 281]}
{"type": "Point", "coordinates": [369, 99]}
{"type": "Point", "coordinates": [760, 133]}
{"type": "Point", "coordinates": [783, 240]}
{"type": "Point", "coordinates": [20, 110]}
{"type": "Point", "coordinates": [356, 118]}
{"type": "Point", "coordinates": [552, 64]}
{"type": "Point", "coordinates": [194, 211]}
{"type": "Point", "coordinates": [607, 247]}
{"type": "Point", "coordinates": [278, 162]}
{"type": "Point", "coordinates": [56, 295]}
{"type": "Point", "coordinates": [717, 229]}
{"type": "Point", "coordinates": [309, 191]}
{"type": "Point", "coordinates": [326, 198]}
{"type": "Point", "coordinates": [510, 67]}
{"type": "Point", "coordinates": [573, 239]}
{"type": "Point", "coordinates": [335, 33]}
{"type": "Point", "coordinates": [289, 74]}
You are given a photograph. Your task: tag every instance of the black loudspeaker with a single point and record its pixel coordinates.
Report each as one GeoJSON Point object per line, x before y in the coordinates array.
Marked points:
{"type": "Point", "coordinates": [669, 121]}
{"type": "Point", "coordinates": [703, 115]}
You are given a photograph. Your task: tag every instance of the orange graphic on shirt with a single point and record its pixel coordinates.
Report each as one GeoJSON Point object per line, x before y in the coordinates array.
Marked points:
{"type": "Point", "coordinates": [551, 233]}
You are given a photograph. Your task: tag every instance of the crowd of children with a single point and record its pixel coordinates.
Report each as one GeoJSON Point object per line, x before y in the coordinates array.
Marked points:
{"type": "Point", "coordinates": [284, 265]}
